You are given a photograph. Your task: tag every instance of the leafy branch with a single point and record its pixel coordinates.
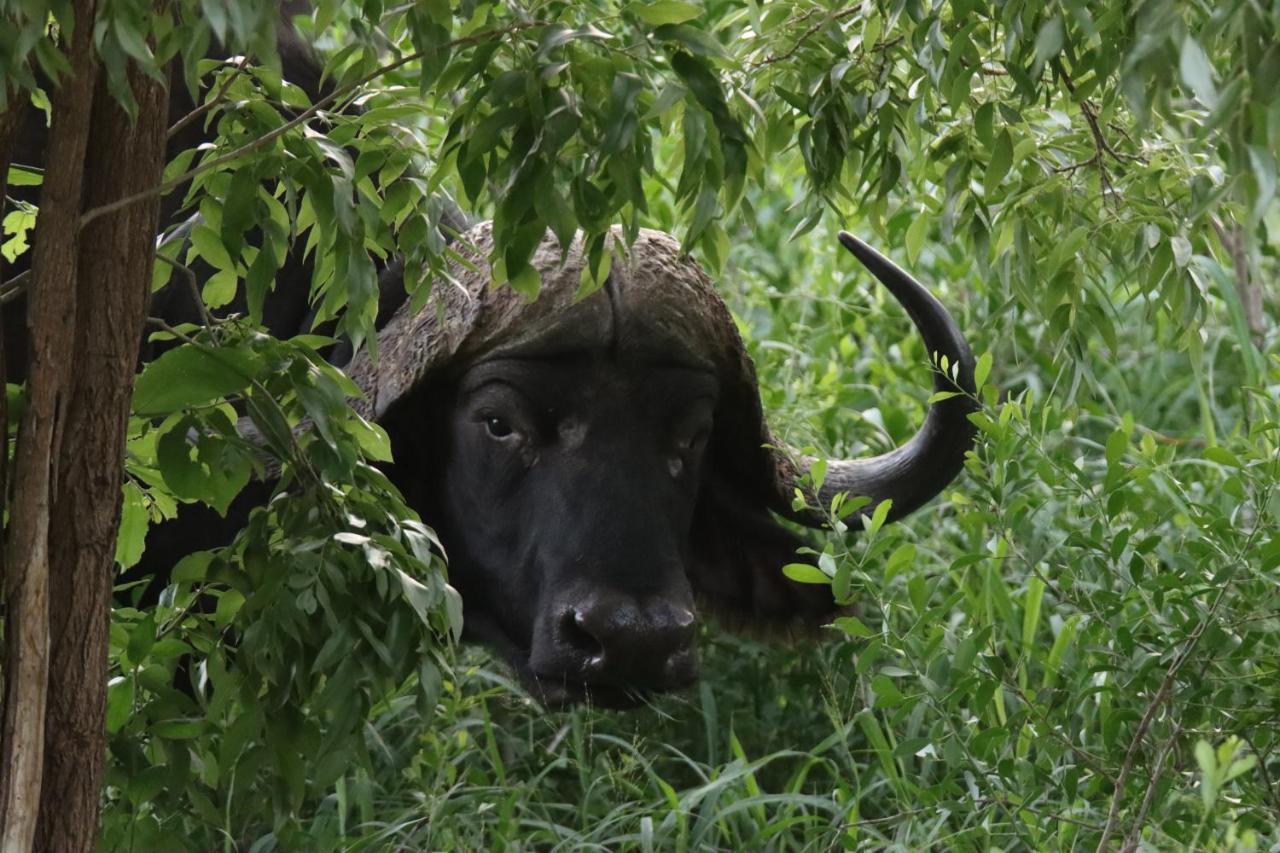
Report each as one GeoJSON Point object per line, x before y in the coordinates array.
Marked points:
{"type": "Point", "coordinates": [334, 96]}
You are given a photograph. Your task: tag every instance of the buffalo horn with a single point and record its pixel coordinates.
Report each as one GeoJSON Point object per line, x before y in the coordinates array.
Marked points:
{"type": "Point", "coordinates": [918, 470]}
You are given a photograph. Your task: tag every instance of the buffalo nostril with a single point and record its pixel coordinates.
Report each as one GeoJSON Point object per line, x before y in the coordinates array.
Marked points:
{"type": "Point", "coordinates": [682, 619]}
{"type": "Point", "coordinates": [575, 634]}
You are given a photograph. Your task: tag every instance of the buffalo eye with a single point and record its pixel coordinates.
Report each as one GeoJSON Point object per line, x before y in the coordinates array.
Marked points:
{"type": "Point", "coordinates": [498, 428]}
{"type": "Point", "coordinates": [688, 448]}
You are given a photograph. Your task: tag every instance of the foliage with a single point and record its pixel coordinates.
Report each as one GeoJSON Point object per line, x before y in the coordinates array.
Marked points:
{"type": "Point", "coordinates": [1081, 650]}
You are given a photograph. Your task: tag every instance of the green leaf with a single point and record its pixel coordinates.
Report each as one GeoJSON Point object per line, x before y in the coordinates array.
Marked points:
{"type": "Point", "coordinates": [131, 538]}
{"type": "Point", "coordinates": [879, 515]}
{"type": "Point", "coordinates": [887, 692]}
{"type": "Point", "coordinates": [192, 568]}
{"type": "Point", "coordinates": [1117, 446]}
{"type": "Point", "coordinates": [1031, 613]}
{"type": "Point", "coordinates": [1049, 40]}
{"type": "Point", "coordinates": [1239, 767]}
{"type": "Point", "coordinates": [418, 596]}
{"type": "Point", "coordinates": [191, 375]}
{"type": "Point", "coordinates": [1262, 162]}
{"type": "Point", "coordinates": [1197, 72]}
{"type": "Point", "coordinates": [207, 244]}
{"type": "Point", "coordinates": [220, 288]}
{"type": "Point", "coordinates": [664, 12]}
{"type": "Point", "coordinates": [1222, 456]}
{"type": "Point", "coordinates": [805, 573]}
{"type": "Point", "coordinates": [23, 176]}
{"type": "Point", "coordinates": [16, 225]}
{"type": "Point", "coordinates": [120, 696]}
{"type": "Point", "coordinates": [853, 626]}
{"type": "Point", "coordinates": [1001, 160]}
{"type": "Point", "coordinates": [917, 231]}
{"type": "Point", "coordinates": [1208, 762]}
{"type": "Point", "coordinates": [141, 638]}
{"type": "Point", "coordinates": [900, 559]}
{"type": "Point", "coordinates": [186, 728]}
{"type": "Point", "coordinates": [982, 369]}
{"type": "Point", "coordinates": [1181, 250]}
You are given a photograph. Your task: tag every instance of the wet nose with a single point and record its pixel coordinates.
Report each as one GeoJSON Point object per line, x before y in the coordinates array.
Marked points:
{"type": "Point", "coordinates": [627, 644]}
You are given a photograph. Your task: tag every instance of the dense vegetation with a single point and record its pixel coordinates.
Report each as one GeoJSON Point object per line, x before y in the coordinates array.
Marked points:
{"type": "Point", "coordinates": [1076, 647]}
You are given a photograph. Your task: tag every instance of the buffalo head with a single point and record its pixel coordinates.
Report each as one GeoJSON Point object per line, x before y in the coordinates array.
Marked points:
{"type": "Point", "coordinates": [597, 469]}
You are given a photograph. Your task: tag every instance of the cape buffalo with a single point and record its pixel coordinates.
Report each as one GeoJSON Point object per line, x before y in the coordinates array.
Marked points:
{"type": "Point", "coordinates": [597, 469]}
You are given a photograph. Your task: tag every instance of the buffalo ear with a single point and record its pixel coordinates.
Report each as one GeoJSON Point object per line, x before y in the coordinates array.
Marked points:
{"type": "Point", "coordinates": [739, 550]}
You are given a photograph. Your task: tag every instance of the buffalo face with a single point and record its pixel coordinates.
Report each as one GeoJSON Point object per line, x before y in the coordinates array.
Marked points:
{"type": "Point", "coordinates": [600, 469]}
{"type": "Point", "coordinates": [566, 499]}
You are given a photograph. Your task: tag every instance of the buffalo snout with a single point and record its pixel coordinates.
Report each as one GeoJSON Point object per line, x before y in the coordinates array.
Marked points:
{"type": "Point", "coordinates": [608, 643]}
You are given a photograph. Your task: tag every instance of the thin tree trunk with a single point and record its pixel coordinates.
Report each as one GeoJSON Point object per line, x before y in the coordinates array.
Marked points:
{"type": "Point", "coordinates": [51, 320]}
{"type": "Point", "coordinates": [113, 292]}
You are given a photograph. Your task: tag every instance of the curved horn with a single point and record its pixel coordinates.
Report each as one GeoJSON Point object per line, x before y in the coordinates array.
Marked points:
{"type": "Point", "coordinates": [919, 469]}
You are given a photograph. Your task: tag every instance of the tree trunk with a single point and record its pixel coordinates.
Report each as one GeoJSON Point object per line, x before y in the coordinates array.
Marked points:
{"type": "Point", "coordinates": [113, 293]}
{"type": "Point", "coordinates": [51, 319]}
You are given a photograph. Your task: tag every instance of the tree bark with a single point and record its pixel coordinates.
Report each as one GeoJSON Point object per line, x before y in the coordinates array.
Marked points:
{"type": "Point", "coordinates": [51, 320]}
{"type": "Point", "coordinates": [113, 292]}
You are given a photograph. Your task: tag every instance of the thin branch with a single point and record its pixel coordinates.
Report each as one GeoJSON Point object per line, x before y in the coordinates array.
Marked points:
{"type": "Point", "coordinates": [212, 102]}
{"type": "Point", "coordinates": [1102, 147]}
{"type": "Point", "coordinates": [189, 276]}
{"type": "Point", "coordinates": [1162, 695]}
{"type": "Point", "coordinates": [1017, 807]}
{"type": "Point", "coordinates": [1131, 840]}
{"type": "Point", "coordinates": [14, 287]}
{"type": "Point", "coordinates": [806, 35]}
{"type": "Point", "coordinates": [1232, 240]}
{"type": "Point", "coordinates": [301, 118]}
{"type": "Point", "coordinates": [1272, 791]}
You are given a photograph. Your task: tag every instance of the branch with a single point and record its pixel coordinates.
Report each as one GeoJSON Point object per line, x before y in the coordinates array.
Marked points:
{"type": "Point", "coordinates": [301, 118]}
{"type": "Point", "coordinates": [806, 35]}
{"type": "Point", "coordinates": [189, 276]}
{"type": "Point", "coordinates": [1162, 695]}
{"type": "Point", "coordinates": [1100, 144]}
{"type": "Point", "coordinates": [1131, 840]}
{"type": "Point", "coordinates": [1250, 293]}
{"type": "Point", "coordinates": [212, 102]}
{"type": "Point", "coordinates": [14, 287]}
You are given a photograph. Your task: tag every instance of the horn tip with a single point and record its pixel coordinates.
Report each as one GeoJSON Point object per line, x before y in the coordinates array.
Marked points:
{"type": "Point", "coordinates": [861, 250]}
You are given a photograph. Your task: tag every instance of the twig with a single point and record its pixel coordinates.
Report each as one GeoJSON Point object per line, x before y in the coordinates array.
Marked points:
{"type": "Point", "coordinates": [302, 117]}
{"type": "Point", "coordinates": [1131, 840]}
{"type": "Point", "coordinates": [806, 35]}
{"type": "Point", "coordinates": [1016, 807]}
{"type": "Point", "coordinates": [1250, 294]}
{"type": "Point", "coordinates": [1162, 695]}
{"type": "Point", "coordinates": [1262, 768]}
{"type": "Point", "coordinates": [212, 102]}
{"type": "Point", "coordinates": [1071, 168]}
{"type": "Point", "coordinates": [1100, 144]}
{"type": "Point", "coordinates": [14, 287]}
{"type": "Point", "coordinates": [189, 276]}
